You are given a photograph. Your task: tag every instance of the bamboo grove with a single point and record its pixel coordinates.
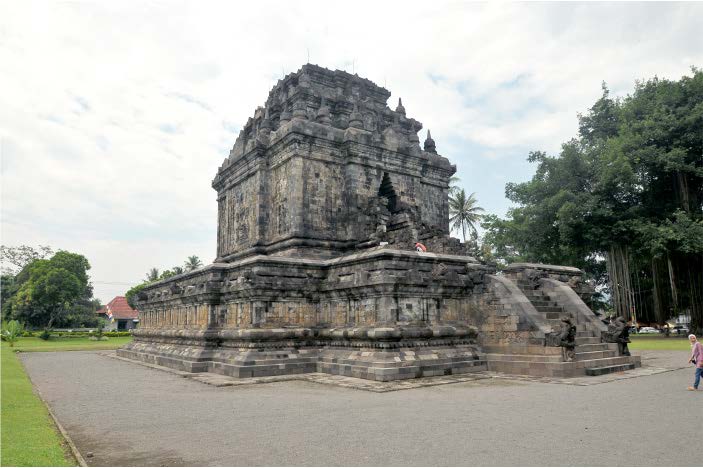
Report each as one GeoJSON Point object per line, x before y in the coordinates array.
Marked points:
{"type": "Point", "coordinates": [622, 200]}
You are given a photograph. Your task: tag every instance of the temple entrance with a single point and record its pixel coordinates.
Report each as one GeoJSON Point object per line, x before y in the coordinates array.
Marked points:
{"type": "Point", "coordinates": [386, 190]}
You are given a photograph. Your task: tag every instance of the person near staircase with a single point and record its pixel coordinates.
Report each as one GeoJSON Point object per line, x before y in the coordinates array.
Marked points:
{"type": "Point", "coordinates": [697, 359]}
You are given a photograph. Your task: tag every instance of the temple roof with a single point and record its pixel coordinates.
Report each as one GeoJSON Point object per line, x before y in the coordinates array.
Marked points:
{"type": "Point", "coordinates": [333, 99]}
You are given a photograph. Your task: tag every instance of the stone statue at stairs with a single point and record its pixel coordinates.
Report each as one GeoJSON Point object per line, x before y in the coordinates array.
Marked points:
{"type": "Point", "coordinates": [567, 339]}
{"type": "Point", "coordinates": [618, 332]}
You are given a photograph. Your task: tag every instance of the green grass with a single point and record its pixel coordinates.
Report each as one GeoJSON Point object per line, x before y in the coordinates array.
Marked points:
{"type": "Point", "coordinates": [658, 342]}
{"type": "Point", "coordinates": [29, 437]}
{"type": "Point", "coordinates": [82, 343]}
{"type": "Point", "coordinates": [28, 434]}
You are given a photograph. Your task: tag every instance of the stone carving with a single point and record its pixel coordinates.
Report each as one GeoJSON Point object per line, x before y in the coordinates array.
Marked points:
{"type": "Point", "coordinates": [532, 276]}
{"type": "Point", "coordinates": [567, 339]}
{"type": "Point", "coordinates": [618, 332]}
{"type": "Point", "coordinates": [438, 271]}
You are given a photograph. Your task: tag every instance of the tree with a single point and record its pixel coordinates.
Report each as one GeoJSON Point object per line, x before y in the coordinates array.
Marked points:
{"type": "Point", "coordinates": [454, 185]}
{"type": "Point", "coordinates": [153, 275]}
{"type": "Point", "coordinates": [7, 289]}
{"type": "Point", "coordinates": [192, 263]}
{"type": "Point", "coordinates": [14, 259]}
{"type": "Point", "coordinates": [47, 289]}
{"type": "Point", "coordinates": [623, 200]}
{"type": "Point", "coordinates": [100, 327]}
{"type": "Point", "coordinates": [133, 292]}
{"type": "Point", "coordinates": [464, 212]}
{"type": "Point", "coordinates": [82, 313]}
{"type": "Point", "coordinates": [177, 270]}
{"type": "Point", "coordinates": [11, 332]}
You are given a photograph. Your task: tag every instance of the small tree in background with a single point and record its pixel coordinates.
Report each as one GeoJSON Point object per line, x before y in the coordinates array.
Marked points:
{"type": "Point", "coordinates": [192, 263]}
{"type": "Point", "coordinates": [464, 212]}
{"type": "Point", "coordinates": [12, 331]}
{"type": "Point", "coordinates": [153, 275]}
{"type": "Point", "coordinates": [101, 327]}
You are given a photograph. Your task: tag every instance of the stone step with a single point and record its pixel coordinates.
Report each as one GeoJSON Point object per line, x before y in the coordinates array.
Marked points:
{"type": "Point", "coordinates": [552, 316]}
{"type": "Point", "coordinates": [534, 293]}
{"type": "Point", "coordinates": [559, 369]}
{"type": "Point", "coordinates": [607, 361]}
{"type": "Point", "coordinates": [524, 357]}
{"type": "Point", "coordinates": [586, 333]}
{"type": "Point", "coordinates": [609, 369]}
{"type": "Point", "coordinates": [588, 347]}
{"type": "Point", "coordinates": [539, 303]}
{"type": "Point", "coordinates": [591, 355]}
{"type": "Point", "coordinates": [530, 291]}
{"type": "Point", "coordinates": [549, 308]}
{"type": "Point", "coordinates": [582, 340]}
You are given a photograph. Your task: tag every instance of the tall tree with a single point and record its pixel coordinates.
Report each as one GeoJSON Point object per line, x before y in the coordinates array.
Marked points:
{"type": "Point", "coordinates": [464, 212]}
{"type": "Point", "coordinates": [48, 289]}
{"type": "Point", "coordinates": [153, 275]}
{"type": "Point", "coordinates": [13, 259]}
{"type": "Point", "coordinates": [192, 263]}
{"type": "Point", "coordinates": [624, 201]}
{"type": "Point", "coordinates": [454, 185]}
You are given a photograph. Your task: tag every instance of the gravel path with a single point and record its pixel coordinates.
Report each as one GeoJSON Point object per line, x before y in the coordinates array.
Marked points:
{"type": "Point", "coordinates": [127, 415]}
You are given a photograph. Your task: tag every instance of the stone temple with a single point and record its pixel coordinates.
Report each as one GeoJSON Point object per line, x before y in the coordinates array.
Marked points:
{"type": "Point", "coordinates": [321, 202]}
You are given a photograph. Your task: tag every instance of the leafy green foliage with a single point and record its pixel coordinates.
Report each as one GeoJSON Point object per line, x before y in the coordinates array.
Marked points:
{"type": "Point", "coordinates": [464, 212]}
{"type": "Point", "coordinates": [102, 323]}
{"type": "Point", "coordinates": [46, 290]}
{"type": "Point", "coordinates": [154, 275]}
{"type": "Point", "coordinates": [133, 292]}
{"type": "Point", "coordinates": [14, 259]}
{"type": "Point", "coordinates": [192, 263]}
{"type": "Point", "coordinates": [11, 331]}
{"type": "Point", "coordinates": [632, 179]}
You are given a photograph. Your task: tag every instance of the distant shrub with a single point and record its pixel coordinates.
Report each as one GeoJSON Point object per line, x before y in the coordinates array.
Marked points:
{"type": "Point", "coordinates": [11, 332]}
{"type": "Point", "coordinates": [117, 333]}
{"type": "Point", "coordinates": [45, 335]}
{"type": "Point", "coordinates": [27, 334]}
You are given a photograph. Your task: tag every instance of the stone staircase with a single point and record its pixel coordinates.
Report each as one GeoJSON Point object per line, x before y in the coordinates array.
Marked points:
{"type": "Point", "coordinates": [593, 357]}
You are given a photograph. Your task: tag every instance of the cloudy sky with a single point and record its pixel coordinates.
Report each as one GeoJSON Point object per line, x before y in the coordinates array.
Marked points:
{"type": "Point", "coordinates": [114, 116]}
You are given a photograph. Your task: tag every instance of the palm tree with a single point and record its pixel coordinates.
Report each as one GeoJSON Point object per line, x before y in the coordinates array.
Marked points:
{"type": "Point", "coordinates": [464, 212]}
{"type": "Point", "coordinates": [453, 185]}
{"type": "Point", "coordinates": [153, 274]}
{"type": "Point", "coordinates": [177, 270]}
{"type": "Point", "coordinates": [192, 263]}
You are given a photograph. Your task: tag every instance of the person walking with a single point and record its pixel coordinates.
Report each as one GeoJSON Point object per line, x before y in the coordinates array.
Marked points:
{"type": "Point", "coordinates": [697, 359]}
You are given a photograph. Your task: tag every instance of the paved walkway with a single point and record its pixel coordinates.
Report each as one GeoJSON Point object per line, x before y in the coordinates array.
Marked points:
{"type": "Point", "coordinates": [128, 414]}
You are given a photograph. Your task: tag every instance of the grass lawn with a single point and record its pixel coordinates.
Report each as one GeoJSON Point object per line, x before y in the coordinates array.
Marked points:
{"type": "Point", "coordinates": [29, 437]}
{"type": "Point", "coordinates": [658, 342]}
{"type": "Point", "coordinates": [82, 343]}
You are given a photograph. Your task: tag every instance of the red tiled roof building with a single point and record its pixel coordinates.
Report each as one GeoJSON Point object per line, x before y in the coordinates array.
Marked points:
{"type": "Point", "coordinates": [119, 314]}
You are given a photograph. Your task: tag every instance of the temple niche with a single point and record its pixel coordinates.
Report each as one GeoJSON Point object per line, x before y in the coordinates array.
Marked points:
{"type": "Point", "coordinates": [321, 202]}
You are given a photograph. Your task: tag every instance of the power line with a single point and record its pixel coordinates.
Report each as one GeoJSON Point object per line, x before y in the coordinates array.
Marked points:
{"type": "Point", "coordinates": [113, 282]}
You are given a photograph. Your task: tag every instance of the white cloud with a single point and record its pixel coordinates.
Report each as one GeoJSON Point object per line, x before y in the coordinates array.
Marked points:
{"type": "Point", "coordinates": [115, 116]}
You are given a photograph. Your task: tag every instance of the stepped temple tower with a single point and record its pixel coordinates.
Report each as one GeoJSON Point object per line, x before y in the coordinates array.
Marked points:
{"type": "Point", "coordinates": [322, 203]}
